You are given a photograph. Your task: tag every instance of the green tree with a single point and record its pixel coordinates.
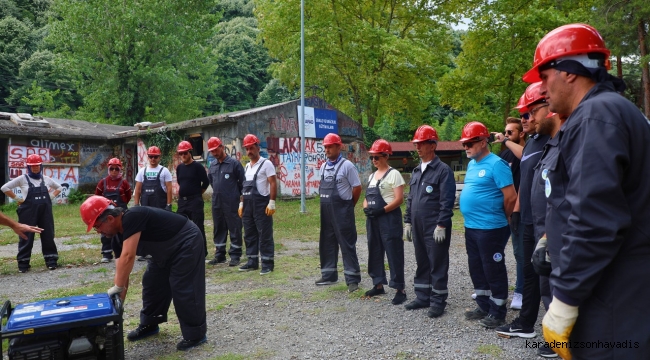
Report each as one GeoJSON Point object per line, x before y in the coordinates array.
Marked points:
{"type": "Point", "coordinates": [274, 92]}
{"type": "Point", "coordinates": [497, 50]}
{"type": "Point", "coordinates": [137, 61]}
{"type": "Point", "coordinates": [242, 67]}
{"type": "Point", "coordinates": [372, 58]}
{"type": "Point", "coordinates": [17, 42]}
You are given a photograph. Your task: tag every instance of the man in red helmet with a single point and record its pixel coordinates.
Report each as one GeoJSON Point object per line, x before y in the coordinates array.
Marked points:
{"type": "Point", "coordinates": [176, 271]}
{"type": "Point", "coordinates": [192, 182]}
{"type": "Point", "coordinates": [595, 171]}
{"type": "Point", "coordinates": [340, 189]}
{"type": "Point", "coordinates": [533, 109]}
{"type": "Point", "coordinates": [227, 177]}
{"type": "Point", "coordinates": [258, 191]}
{"type": "Point", "coordinates": [486, 203]}
{"type": "Point", "coordinates": [117, 189]}
{"type": "Point", "coordinates": [35, 208]}
{"type": "Point", "coordinates": [429, 208]}
{"type": "Point", "coordinates": [153, 185]}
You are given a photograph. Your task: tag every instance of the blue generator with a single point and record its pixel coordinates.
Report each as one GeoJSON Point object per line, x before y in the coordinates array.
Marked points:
{"type": "Point", "coordinates": [81, 327]}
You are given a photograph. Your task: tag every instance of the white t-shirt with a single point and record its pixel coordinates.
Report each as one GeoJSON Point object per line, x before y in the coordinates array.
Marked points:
{"type": "Point", "coordinates": [424, 165]}
{"type": "Point", "coordinates": [267, 170]}
{"type": "Point", "coordinates": [152, 173]}
{"type": "Point", "coordinates": [346, 179]}
{"type": "Point", "coordinates": [392, 180]}
{"type": "Point", "coordinates": [21, 182]}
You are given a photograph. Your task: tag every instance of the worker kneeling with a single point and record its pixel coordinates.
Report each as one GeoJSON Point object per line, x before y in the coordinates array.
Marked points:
{"type": "Point", "coordinates": [175, 271]}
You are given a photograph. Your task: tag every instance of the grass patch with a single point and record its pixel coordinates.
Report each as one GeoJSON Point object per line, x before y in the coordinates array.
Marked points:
{"type": "Point", "coordinates": [229, 356]}
{"type": "Point", "coordinates": [99, 270]}
{"type": "Point", "coordinates": [216, 302]}
{"type": "Point", "coordinates": [489, 349]}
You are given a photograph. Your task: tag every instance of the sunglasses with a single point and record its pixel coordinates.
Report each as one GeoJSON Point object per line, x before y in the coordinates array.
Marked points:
{"type": "Point", "coordinates": [154, 156]}
{"type": "Point", "coordinates": [470, 144]}
{"type": "Point", "coordinates": [376, 158]}
{"type": "Point", "coordinates": [509, 132]}
{"type": "Point", "coordinates": [525, 116]}
{"type": "Point", "coordinates": [183, 153]}
{"type": "Point", "coordinates": [114, 169]}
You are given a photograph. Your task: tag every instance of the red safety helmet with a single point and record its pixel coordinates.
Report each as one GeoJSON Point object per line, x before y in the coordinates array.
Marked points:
{"type": "Point", "coordinates": [115, 161]}
{"type": "Point", "coordinates": [473, 130]}
{"type": "Point", "coordinates": [184, 146]}
{"type": "Point", "coordinates": [530, 96]}
{"type": "Point", "coordinates": [250, 140]}
{"type": "Point", "coordinates": [34, 159]}
{"type": "Point", "coordinates": [154, 150]}
{"type": "Point", "coordinates": [92, 208]}
{"type": "Point", "coordinates": [567, 40]}
{"type": "Point", "coordinates": [332, 139]}
{"type": "Point", "coordinates": [425, 133]}
{"type": "Point", "coordinates": [381, 146]}
{"type": "Point", "coordinates": [213, 143]}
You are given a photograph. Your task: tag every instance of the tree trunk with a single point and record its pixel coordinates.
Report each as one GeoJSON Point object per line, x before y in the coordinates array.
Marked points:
{"type": "Point", "coordinates": [619, 67]}
{"type": "Point", "coordinates": [645, 70]}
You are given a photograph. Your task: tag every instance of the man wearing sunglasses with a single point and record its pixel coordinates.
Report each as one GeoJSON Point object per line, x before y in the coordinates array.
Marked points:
{"type": "Point", "coordinates": [192, 182]}
{"type": "Point", "coordinates": [117, 189]}
{"type": "Point", "coordinates": [486, 203]}
{"type": "Point", "coordinates": [153, 185]}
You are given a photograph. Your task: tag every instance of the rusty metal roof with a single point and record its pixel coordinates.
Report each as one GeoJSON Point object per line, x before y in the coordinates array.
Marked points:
{"type": "Point", "coordinates": [63, 128]}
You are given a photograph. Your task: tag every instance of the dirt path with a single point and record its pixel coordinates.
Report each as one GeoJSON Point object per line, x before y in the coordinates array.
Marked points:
{"type": "Point", "coordinates": [305, 325]}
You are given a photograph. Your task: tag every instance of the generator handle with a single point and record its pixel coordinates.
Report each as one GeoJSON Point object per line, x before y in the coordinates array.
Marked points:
{"type": "Point", "coordinates": [117, 302]}
{"type": "Point", "coordinates": [4, 311]}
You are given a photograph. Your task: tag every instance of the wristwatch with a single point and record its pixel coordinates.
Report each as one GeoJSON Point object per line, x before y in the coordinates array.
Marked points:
{"type": "Point", "coordinates": [505, 138]}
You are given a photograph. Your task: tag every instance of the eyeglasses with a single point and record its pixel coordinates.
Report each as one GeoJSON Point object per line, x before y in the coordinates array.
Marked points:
{"type": "Point", "coordinates": [97, 226]}
{"type": "Point", "coordinates": [376, 158]}
{"type": "Point", "coordinates": [114, 169]}
{"type": "Point", "coordinates": [525, 117]}
{"type": "Point", "coordinates": [470, 144]}
{"type": "Point", "coordinates": [533, 111]}
{"type": "Point", "coordinates": [509, 132]}
{"type": "Point", "coordinates": [183, 153]}
{"type": "Point", "coordinates": [154, 156]}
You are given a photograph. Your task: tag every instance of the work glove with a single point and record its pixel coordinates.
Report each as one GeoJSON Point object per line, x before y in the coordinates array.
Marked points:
{"type": "Point", "coordinates": [372, 212]}
{"type": "Point", "coordinates": [407, 232]}
{"type": "Point", "coordinates": [115, 290]}
{"type": "Point", "coordinates": [515, 220]}
{"type": "Point", "coordinates": [168, 207]}
{"type": "Point", "coordinates": [270, 208]}
{"type": "Point", "coordinates": [541, 260]}
{"type": "Point", "coordinates": [558, 324]}
{"type": "Point", "coordinates": [439, 234]}
{"type": "Point", "coordinates": [240, 211]}
{"type": "Point", "coordinates": [19, 199]}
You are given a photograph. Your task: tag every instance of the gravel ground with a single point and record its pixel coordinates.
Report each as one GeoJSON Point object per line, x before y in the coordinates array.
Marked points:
{"type": "Point", "coordinates": [343, 326]}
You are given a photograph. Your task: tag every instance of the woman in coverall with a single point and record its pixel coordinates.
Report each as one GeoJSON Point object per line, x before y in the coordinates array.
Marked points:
{"type": "Point", "coordinates": [384, 196]}
{"type": "Point", "coordinates": [35, 208]}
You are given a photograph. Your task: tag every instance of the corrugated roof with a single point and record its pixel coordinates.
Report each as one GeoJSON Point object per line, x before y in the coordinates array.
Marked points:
{"type": "Point", "coordinates": [75, 129]}
{"type": "Point", "coordinates": [442, 146]}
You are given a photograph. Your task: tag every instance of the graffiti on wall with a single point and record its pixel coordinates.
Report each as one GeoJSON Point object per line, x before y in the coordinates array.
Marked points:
{"type": "Point", "coordinates": [128, 165]}
{"type": "Point", "coordinates": [281, 123]}
{"type": "Point", "coordinates": [60, 152]}
{"type": "Point", "coordinates": [66, 176]}
{"type": "Point", "coordinates": [349, 127]}
{"type": "Point", "coordinates": [94, 161]}
{"type": "Point", "coordinates": [142, 155]}
{"type": "Point", "coordinates": [285, 154]}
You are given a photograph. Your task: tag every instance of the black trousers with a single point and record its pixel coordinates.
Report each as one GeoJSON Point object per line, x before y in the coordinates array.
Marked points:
{"type": "Point", "coordinates": [385, 237]}
{"type": "Point", "coordinates": [180, 279]}
{"type": "Point", "coordinates": [227, 221]}
{"type": "Point", "coordinates": [192, 208]}
{"type": "Point", "coordinates": [258, 233]}
{"type": "Point", "coordinates": [432, 259]}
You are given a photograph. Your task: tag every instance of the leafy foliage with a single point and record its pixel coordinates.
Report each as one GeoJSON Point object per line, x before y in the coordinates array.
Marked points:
{"type": "Point", "coordinates": [137, 61]}
{"type": "Point", "coordinates": [372, 58]}
{"type": "Point", "coordinates": [75, 196]}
